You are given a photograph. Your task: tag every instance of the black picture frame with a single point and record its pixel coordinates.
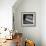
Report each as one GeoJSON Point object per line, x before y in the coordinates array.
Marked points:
{"type": "Point", "coordinates": [28, 19]}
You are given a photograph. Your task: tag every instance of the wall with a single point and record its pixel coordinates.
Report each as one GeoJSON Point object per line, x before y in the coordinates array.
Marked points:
{"type": "Point", "coordinates": [6, 13]}
{"type": "Point", "coordinates": [43, 22]}
{"type": "Point", "coordinates": [33, 33]}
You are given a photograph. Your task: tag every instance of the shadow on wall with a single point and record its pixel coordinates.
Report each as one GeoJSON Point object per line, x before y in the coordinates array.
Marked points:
{"type": "Point", "coordinates": [17, 4]}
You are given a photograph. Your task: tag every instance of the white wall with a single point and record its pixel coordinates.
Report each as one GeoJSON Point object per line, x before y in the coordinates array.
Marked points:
{"type": "Point", "coordinates": [33, 33]}
{"type": "Point", "coordinates": [6, 13]}
{"type": "Point", "coordinates": [37, 33]}
{"type": "Point", "coordinates": [43, 22]}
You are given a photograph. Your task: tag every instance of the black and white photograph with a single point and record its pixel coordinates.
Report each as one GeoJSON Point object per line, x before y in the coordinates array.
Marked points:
{"type": "Point", "coordinates": [28, 18]}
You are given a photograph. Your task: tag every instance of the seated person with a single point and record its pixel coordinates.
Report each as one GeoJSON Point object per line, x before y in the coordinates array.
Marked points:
{"type": "Point", "coordinates": [18, 39]}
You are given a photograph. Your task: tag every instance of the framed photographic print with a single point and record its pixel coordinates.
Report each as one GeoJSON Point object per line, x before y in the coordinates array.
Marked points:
{"type": "Point", "coordinates": [28, 19]}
